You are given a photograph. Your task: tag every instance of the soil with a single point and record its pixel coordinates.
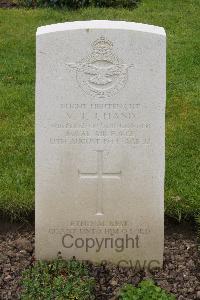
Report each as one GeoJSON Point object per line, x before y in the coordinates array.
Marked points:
{"type": "Point", "coordinates": [180, 274]}
{"type": "Point", "coordinates": [7, 4]}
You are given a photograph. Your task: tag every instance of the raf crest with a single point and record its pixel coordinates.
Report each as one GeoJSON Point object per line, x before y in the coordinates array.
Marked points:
{"type": "Point", "coordinates": [101, 74]}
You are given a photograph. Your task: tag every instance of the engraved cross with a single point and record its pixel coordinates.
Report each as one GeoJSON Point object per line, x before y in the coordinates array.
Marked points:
{"type": "Point", "coordinates": [99, 175]}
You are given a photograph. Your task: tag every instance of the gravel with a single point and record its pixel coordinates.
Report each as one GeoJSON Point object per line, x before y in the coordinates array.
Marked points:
{"type": "Point", "coordinates": [180, 274]}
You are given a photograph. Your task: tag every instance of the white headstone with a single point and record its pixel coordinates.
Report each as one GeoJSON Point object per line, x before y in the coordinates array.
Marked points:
{"type": "Point", "coordinates": [100, 142]}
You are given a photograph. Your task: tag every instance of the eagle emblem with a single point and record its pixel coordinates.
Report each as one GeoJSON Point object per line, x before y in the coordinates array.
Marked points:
{"type": "Point", "coordinates": [101, 74]}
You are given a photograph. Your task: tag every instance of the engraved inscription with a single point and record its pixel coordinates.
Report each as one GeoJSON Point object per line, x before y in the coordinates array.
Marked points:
{"type": "Point", "coordinates": [101, 74]}
{"type": "Point", "coordinates": [100, 175]}
{"type": "Point", "coordinates": [101, 124]}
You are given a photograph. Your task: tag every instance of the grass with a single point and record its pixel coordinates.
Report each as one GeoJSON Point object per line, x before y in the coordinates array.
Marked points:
{"type": "Point", "coordinates": [17, 76]}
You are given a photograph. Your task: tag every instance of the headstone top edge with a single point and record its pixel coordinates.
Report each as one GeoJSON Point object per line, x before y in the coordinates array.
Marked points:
{"type": "Point", "coordinates": [100, 24]}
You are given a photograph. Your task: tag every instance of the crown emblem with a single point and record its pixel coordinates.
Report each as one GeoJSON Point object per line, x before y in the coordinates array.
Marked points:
{"type": "Point", "coordinates": [102, 45]}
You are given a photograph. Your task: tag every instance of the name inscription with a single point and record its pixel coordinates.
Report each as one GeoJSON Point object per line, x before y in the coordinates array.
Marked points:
{"type": "Point", "coordinates": [101, 124]}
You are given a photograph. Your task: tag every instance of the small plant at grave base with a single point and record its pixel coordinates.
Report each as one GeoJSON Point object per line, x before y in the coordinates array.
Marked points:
{"type": "Point", "coordinates": [146, 290]}
{"type": "Point", "coordinates": [58, 280]}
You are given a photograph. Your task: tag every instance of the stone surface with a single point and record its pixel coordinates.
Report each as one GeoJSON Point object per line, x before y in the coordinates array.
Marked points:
{"type": "Point", "coordinates": [100, 115]}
